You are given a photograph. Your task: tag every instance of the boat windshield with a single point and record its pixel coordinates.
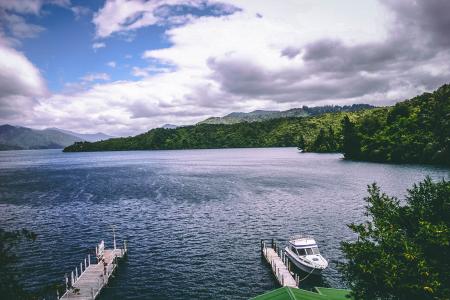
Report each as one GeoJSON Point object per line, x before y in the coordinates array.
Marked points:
{"type": "Point", "coordinates": [301, 252]}
{"type": "Point", "coordinates": [310, 251]}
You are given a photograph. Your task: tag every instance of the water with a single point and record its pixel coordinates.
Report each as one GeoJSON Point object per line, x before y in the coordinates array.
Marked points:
{"type": "Point", "coordinates": [193, 218]}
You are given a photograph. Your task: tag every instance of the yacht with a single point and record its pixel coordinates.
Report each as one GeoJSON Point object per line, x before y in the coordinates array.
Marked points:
{"type": "Point", "coordinates": [304, 253]}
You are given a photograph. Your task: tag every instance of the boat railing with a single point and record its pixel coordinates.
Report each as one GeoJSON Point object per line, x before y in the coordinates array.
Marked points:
{"type": "Point", "coordinates": [300, 236]}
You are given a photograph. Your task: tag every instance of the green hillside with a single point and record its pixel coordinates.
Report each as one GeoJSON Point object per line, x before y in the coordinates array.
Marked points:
{"type": "Point", "coordinates": [282, 132]}
{"type": "Point", "coordinates": [413, 131]}
{"type": "Point", "coordinates": [264, 115]}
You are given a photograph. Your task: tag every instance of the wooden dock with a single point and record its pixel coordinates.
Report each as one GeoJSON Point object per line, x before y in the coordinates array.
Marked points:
{"type": "Point", "coordinates": [280, 265]}
{"type": "Point", "coordinates": [88, 280]}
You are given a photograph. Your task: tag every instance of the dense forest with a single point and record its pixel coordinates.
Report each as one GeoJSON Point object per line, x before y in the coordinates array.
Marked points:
{"type": "Point", "coordinates": [282, 132]}
{"type": "Point", "coordinates": [415, 131]}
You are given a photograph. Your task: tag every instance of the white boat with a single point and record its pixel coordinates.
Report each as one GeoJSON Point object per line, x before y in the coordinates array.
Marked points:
{"type": "Point", "coordinates": [304, 253]}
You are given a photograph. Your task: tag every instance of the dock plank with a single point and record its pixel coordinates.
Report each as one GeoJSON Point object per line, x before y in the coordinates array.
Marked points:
{"type": "Point", "coordinates": [279, 268]}
{"type": "Point", "coordinates": [93, 279]}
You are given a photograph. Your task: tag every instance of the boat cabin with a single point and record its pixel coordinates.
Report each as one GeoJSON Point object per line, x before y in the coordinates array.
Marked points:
{"type": "Point", "coordinates": [304, 246]}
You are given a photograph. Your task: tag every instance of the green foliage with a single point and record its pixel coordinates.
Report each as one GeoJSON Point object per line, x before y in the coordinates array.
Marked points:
{"type": "Point", "coordinates": [402, 250]}
{"type": "Point", "coordinates": [282, 132]}
{"type": "Point", "coordinates": [325, 141]}
{"type": "Point", "coordinates": [413, 131]}
{"type": "Point", "coordinates": [351, 143]}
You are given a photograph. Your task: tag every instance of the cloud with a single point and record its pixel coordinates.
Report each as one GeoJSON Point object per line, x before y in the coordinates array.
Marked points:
{"type": "Point", "coordinates": [423, 17]}
{"type": "Point", "coordinates": [30, 6]}
{"type": "Point", "coordinates": [80, 11]}
{"type": "Point", "coordinates": [20, 83]}
{"type": "Point", "coordinates": [111, 64]}
{"type": "Point", "coordinates": [148, 71]}
{"type": "Point", "coordinates": [263, 55]}
{"type": "Point", "coordinates": [18, 27]}
{"type": "Point", "coordinates": [290, 52]}
{"type": "Point", "coordinates": [95, 77]}
{"type": "Point", "coordinates": [127, 15]}
{"type": "Point", "coordinates": [96, 46]}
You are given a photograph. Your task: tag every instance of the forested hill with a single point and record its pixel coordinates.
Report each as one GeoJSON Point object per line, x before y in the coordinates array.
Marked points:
{"type": "Point", "coordinates": [280, 132]}
{"type": "Point", "coordinates": [413, 131]}
{"type": "Point", "coordinates": [264, 115]}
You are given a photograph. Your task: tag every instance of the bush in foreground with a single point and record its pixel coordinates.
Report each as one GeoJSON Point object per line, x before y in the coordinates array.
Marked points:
{"type": "Point", "coordinates": [402, 251]}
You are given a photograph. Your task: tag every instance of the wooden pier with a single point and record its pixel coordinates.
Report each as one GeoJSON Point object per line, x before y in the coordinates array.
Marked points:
{"type": "Point", "coordinates": [87, 281]}
{"type": "Point", "coordinates": [280, 265]}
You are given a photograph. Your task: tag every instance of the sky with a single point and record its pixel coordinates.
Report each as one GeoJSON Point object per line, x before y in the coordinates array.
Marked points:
{"type": "Point", "coordinates": [123, 67]}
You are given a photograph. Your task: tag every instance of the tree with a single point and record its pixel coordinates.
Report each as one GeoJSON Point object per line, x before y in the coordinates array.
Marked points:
{"type": "Point", "coordinates": [351, 144]}
{"type": "Point", "coordinates": [321, 143]}
{"type": "Point", "coordinates": [402, 250]}
{"type": "Point", "coordinates": [332, 144]}
{"type": "Point", "coordinates": [301, 143]}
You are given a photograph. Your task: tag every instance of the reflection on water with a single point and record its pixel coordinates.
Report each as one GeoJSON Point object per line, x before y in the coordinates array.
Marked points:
{"type": "Point", "coordinates": [193, 218]}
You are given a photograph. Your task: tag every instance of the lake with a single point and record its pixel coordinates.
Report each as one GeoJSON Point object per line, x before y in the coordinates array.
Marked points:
{"type": "Point", "coordinates": [193, 219]}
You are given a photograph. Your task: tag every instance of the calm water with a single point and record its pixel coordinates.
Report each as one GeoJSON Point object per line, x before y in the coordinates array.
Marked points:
{"type": "Point", "coordinates": [193, 219]}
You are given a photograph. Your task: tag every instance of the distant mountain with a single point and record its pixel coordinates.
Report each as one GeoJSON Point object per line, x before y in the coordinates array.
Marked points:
{"type": "Point", "coordinates": [16, 138]}
{"type": "Point", "coordinates": [263, 115]}
{"type": "Point", "coordinates": [89, 137]}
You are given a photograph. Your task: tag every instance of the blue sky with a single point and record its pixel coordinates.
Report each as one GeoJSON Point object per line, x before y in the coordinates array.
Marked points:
{"type": "Point", "coordinates": [64, 51]}
{"type": "Point", "coordinates": [126, 66]}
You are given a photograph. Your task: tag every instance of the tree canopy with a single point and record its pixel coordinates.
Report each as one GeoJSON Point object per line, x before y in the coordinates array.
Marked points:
{"type": "Point", "coordinates": [413, 131]}
{"type": "Point", "coordinates": [402, 250]}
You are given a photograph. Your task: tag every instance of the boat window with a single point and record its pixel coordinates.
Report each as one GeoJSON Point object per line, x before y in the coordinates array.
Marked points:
{"type": "Point", "coordinates": [309, 251]}
{"type": "Point", "coordinates": [315, 250]}
{"type": "Point", "coordinates": [301, 251]}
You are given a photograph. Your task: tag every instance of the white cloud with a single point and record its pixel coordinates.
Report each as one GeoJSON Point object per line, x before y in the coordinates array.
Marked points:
{"type": "Point", "coordinates": [30, 6]}
{"type": "Point", "coordinates": [111, 64]}
{"type": "Point", "coordinates": [96, 46]}
{"type": "Point", "coordinates": [148, 71]}
{"type": "Point", "coordinates": [20, 83]}
{"type": "Point", "coordinates": [95, 76]}
{"type": "Point", "coordinates": [268, 55]}
{"type": "Point", "coordinates": [18, 27]}
{"type": "Point", "coordinates": [127, 15]}
{"type": "Point", "coordinates": [139, 72]}
{"type": "Point", "coordinates": [80, 11]}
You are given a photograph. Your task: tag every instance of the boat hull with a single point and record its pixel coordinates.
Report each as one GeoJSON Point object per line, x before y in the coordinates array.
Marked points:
{"type": "Point", "coordinates": [302, 266]}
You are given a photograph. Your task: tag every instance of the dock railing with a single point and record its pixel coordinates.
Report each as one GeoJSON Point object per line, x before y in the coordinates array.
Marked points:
{"type": "Point", "coordinates": [87, 280]}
